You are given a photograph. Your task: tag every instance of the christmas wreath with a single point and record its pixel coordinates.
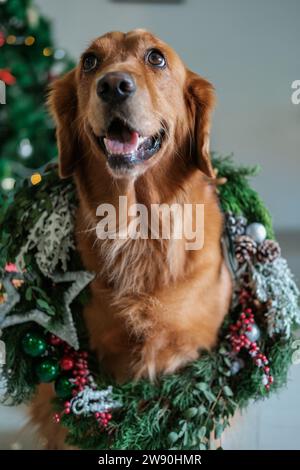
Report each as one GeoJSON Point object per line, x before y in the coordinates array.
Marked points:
{"type": "Point", "coordinates": [44, 288]}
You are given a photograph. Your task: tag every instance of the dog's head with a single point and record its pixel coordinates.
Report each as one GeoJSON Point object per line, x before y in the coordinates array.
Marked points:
{"type": "Point", "coordinates": [132, 101]}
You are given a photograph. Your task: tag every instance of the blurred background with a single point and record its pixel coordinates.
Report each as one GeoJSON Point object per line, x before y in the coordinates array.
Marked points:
{"type": "Point", "coordinates": [249, 50]}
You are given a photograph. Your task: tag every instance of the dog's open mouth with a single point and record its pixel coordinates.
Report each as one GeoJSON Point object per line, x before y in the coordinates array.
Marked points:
{"type": "Point", "coordinates": [125, 147]}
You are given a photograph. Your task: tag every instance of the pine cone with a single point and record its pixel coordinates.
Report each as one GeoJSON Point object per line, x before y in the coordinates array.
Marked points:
{"type": "Point", "coordinates": [268, 251]}
{"type": "Point", "coordinates": [245, 248]}
{"type": "Point", "coordinates": [236, 224]}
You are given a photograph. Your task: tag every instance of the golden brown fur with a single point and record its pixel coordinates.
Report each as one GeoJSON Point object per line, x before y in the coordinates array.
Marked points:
{"type": "Point", "coordinates": [154, 304]}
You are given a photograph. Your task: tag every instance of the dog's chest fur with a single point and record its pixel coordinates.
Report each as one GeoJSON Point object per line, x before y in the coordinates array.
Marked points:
{"type": "Point", "coordinates": [153, 303]}
{"type": "Point", "coordinates": [136, 265]}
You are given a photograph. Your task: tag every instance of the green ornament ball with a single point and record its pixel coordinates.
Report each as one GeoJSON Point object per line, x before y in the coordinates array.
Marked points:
{"type": "Point", "coordinates": [34, 344]}
{"type": "Point", "coordinates": [63, 387]}
{"type": "Point", "coordinates": [47, 370]}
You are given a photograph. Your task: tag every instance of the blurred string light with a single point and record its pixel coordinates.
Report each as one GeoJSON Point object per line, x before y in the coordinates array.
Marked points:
{"type": "Point", "coordinates": [13, 40]}
{"type": "Point", "coordinates": [29, 41]}
{"type": "Point", "coordinates": [8, 183]}
{"type": "Point", "coordinates": [33, 16]}
{"type": "Point", "coordinates": [59, 54]}
{"type": "Point", "coordinates": [57, 69]}
{"type": "Point", "coordinates": [47, 51]}
{"type": "Point", "coordinates": [36, 178]}
{"type": "Point", "coordinates": [25, 148]}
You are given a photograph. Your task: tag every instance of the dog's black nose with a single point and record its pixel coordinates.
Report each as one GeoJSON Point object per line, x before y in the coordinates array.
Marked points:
{"type": "Point", "coordinates": [115, 87]}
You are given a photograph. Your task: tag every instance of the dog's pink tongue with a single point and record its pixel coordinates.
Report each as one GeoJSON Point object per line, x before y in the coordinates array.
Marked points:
{"type": "Point", "coordinates": [116, 147]}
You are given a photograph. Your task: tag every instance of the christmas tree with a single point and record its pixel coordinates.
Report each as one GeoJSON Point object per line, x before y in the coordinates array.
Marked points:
{"type": "Point", "coordinates": [28, 63]}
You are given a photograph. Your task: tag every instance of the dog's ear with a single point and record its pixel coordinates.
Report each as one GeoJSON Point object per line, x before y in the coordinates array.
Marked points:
{"type": "Point", "coordinates": [62, 103]}
{"type": "Point", "coordinates": [201, 100]}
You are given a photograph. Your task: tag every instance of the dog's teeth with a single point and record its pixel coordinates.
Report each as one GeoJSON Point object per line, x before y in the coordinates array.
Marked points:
{"type": "Point", "coordinates": [115, 147]}
{"type": "Point", "coordinates": [141, 140]}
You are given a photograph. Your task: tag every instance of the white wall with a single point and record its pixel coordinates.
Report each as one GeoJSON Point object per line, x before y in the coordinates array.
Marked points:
{"type": "Point", "coordinates": [249, 49]}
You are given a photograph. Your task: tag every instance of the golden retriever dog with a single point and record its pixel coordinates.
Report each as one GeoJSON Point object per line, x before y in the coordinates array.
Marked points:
{"type": "Point", "coordinates": [133, 121]}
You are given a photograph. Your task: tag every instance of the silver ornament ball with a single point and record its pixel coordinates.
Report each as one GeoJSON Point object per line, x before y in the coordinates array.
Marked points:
{"type": "Point", "coordinates": [257, 232]}
{"type": "Point", "coordinates": [254, 334]}
{"type": "Point", "coordinates": [236, 366]}
{"type": "Point", "coordinates": [265, 380]}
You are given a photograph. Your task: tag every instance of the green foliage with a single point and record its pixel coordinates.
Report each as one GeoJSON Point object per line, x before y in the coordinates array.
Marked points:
{"type": "Point", "coordinates": [21, 366]}
{"type": "Point", "coordinates": [186, 410]}
{"type": "Point", "coordinates": [28, 205]}
{"type": "Point", "coordinates": [237, 196]}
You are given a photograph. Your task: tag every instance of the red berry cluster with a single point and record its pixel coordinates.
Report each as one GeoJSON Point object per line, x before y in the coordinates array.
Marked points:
{"type": "Point", "coordinates": [239, 340]}
{"type": "Point", "coordinates": [75, 362]}
{"type": "Point", "coordinates": [238, 337]}
{"type": "Point", "coordinates": [103, 418]}
{"type": "Point", "coordinates": [66, 411]}
{"type": "Point", "coordinates": [80, 370]}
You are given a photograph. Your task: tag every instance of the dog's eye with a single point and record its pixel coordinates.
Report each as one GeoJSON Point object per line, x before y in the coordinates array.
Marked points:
{"type": "Point", "coordinates": [156, 58]}
{"type": "Point", "coordinates": [90, 62]}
